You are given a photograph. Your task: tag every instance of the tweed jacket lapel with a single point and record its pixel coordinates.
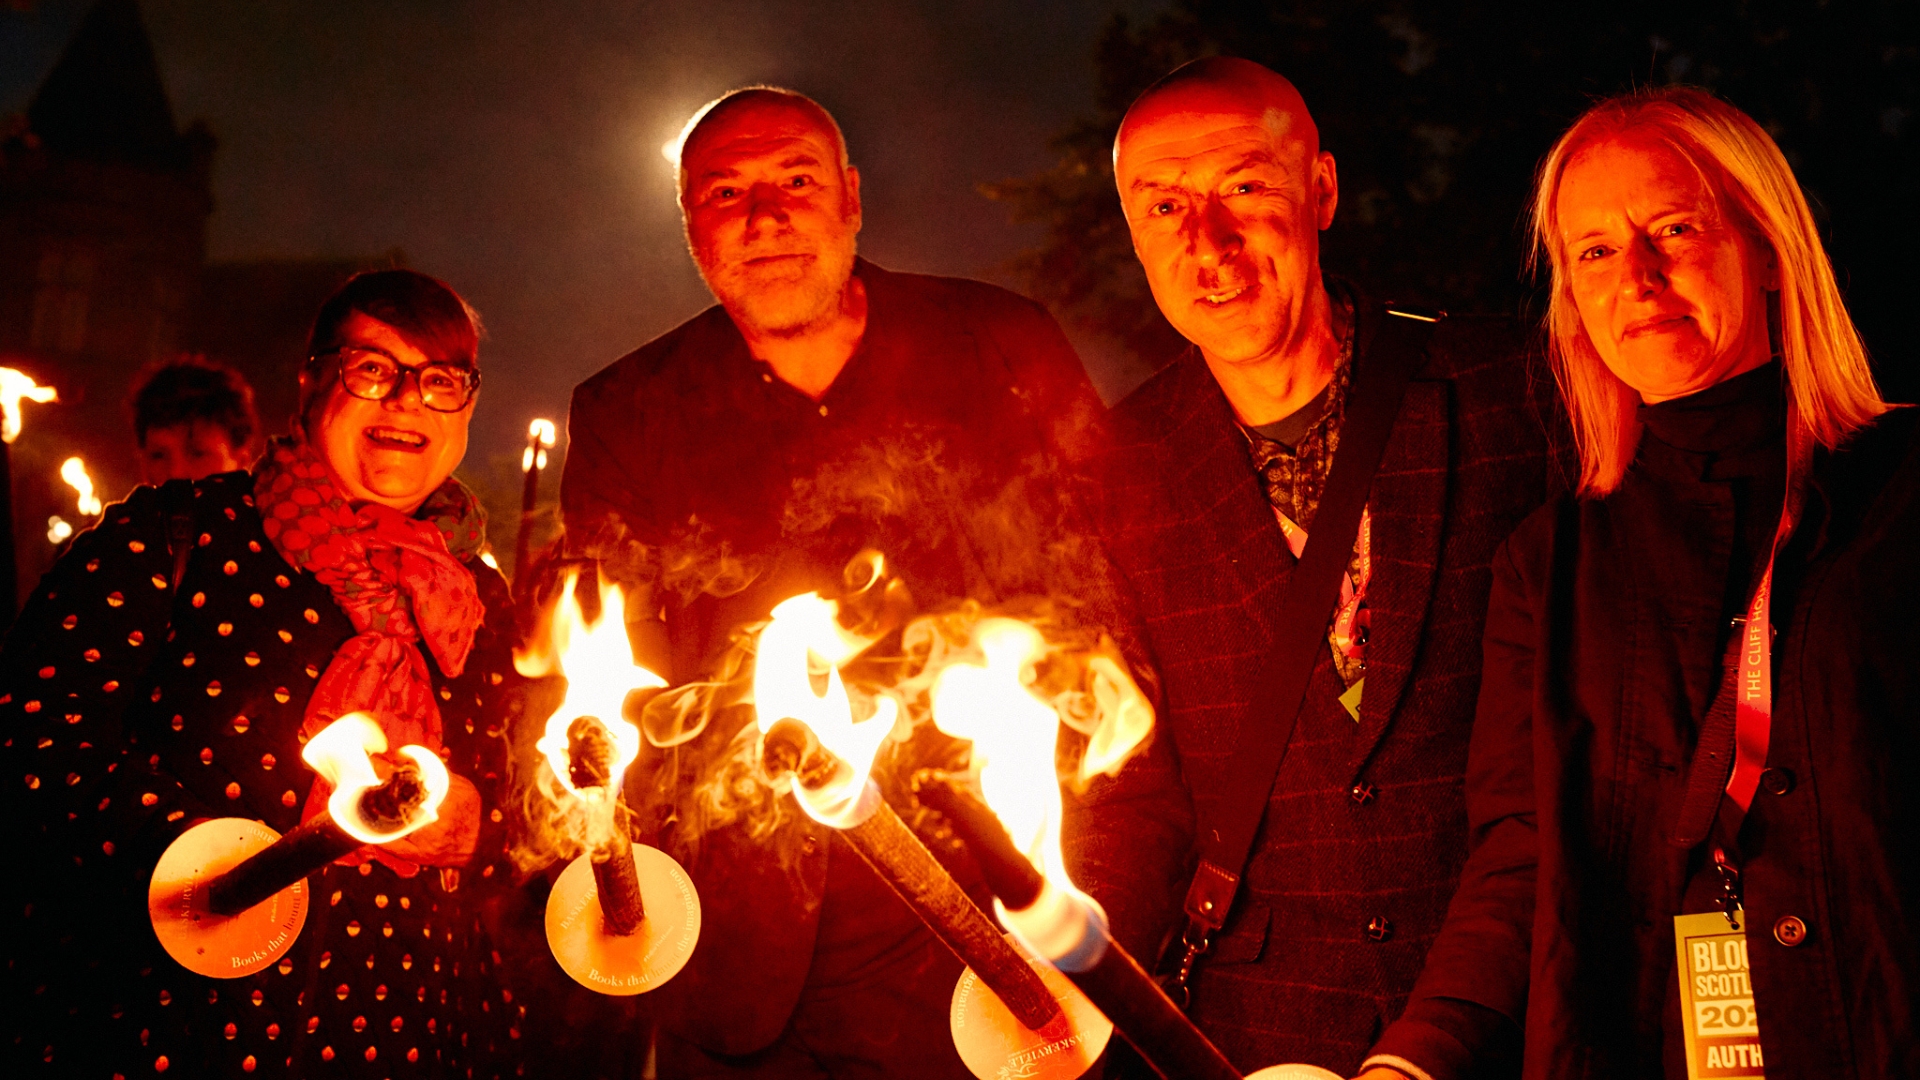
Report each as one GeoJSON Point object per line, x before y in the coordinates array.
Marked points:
{"type": "Point", "coordinates": [1407, 502]}
{"type": "Point", "coordinates": [1215, 480]}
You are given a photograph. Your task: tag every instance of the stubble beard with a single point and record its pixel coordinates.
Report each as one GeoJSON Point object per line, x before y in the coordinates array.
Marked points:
{"type": "Point", "coordinates": [790, 307]}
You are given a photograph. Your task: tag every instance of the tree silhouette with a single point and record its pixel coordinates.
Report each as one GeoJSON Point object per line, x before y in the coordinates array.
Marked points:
{"type": "Point", "coordinates": [1437, 116]}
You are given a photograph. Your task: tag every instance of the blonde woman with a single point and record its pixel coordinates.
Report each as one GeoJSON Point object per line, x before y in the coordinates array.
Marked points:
{"type": "Point", "coordinates": [1699, 722]}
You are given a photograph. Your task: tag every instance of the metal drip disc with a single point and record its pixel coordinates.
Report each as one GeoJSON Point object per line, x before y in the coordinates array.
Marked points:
{"type": "Point", "coordinates": [641, 961]}
{"type": "Point", "coordinates": [994, 1045]}
{"type": "Point", "coordinates": [217, 946]}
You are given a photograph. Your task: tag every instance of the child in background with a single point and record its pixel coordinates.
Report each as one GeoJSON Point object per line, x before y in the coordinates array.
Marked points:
{"type": "Point", "coordinates": [193, 418]}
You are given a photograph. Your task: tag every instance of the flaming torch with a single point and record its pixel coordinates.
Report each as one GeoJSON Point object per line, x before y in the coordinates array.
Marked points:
{"type": "Point", "coordinates": [1037, 1025]}
{"type": "Point", "coordinates": [540, 436]}
{"type": "Point", "coordinates": [74, 472]}
{"type": "Point", "coordinates": [1015, 833]}
{"type": "Point", "coordinates": [623, 917]}
{"type": "Point", "coordinates": [14, 385]}
{"type": "Point", "coordinates": [229, 897]}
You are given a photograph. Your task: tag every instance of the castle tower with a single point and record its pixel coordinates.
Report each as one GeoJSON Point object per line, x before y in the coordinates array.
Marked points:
{"type": "Point", "coordinates": [103, 223]}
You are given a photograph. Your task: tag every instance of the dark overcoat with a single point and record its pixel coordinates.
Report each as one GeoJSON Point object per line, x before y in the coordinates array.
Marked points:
{"type": "Point", "coordinates": [1365, 827]}
{"type": "Point", "coordinates": [130, 710]}
{"type": "Point", "coordinates": [1564, 917]}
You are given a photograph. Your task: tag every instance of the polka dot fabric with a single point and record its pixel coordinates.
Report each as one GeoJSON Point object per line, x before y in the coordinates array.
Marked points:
{"type": "Point", "coordinates": [135, 710]}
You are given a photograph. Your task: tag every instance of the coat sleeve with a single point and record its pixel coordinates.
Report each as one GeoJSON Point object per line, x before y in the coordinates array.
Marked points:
{"type": "Point", "coordinates": [1471, 996]}
{"type": "Point", "coordinates": [98, 810]}
{"type": "Point", "coordinates": [1128, 839]}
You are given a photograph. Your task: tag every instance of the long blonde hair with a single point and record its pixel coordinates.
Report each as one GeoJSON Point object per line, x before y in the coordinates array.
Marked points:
{"type": "Point", "coordinates": [1824, 359]}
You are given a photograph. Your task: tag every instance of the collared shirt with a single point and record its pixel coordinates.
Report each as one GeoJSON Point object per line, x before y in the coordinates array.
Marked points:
{"type": "Point", "coordinates": [937, 444]}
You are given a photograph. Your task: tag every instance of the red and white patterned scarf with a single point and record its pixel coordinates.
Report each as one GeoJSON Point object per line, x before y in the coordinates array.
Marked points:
{"type": "Point", "coordinates": [399, 580]}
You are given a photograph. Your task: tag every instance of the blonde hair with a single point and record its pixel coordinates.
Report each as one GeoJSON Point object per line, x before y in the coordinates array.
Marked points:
{"type": "Point", "coordinates": [1824, 360]}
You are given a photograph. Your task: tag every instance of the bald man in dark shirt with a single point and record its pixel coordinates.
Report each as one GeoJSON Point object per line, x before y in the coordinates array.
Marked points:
{"type": "Point", "coordinates": [825, 406]}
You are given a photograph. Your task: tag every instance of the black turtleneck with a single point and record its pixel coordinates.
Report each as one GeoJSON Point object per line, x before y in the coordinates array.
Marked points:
{"type": "Point", "coordinates": [1732, 434]}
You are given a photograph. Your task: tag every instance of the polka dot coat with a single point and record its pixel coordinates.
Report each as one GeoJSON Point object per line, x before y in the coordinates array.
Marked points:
{"type": "Point", "coordinates": [129, 709]}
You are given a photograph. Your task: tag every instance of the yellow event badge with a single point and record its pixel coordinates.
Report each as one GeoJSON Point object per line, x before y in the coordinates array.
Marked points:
{"type": "Point", "coordinates": [1716, 998]}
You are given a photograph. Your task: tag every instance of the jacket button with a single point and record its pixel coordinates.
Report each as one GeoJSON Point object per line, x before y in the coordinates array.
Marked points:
{"type": "Point", "coordinates": [1361, 793]}
{"type": "Point", "coordinates": [1380, 929]}
{"type": "Point", "coordinates": [810, 844]}
{"type": "Point", "coordinates": [1777, 780]}
{"type": "Point", "coordinates": [1790, 931]}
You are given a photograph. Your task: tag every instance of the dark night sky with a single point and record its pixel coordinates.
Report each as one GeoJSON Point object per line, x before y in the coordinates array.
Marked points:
{"type": "Point", "coordinates": [514, 148]}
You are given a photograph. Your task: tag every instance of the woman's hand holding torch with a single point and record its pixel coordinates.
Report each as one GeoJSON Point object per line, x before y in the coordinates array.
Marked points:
{"type": "Point", "coordinates": [229, 896]}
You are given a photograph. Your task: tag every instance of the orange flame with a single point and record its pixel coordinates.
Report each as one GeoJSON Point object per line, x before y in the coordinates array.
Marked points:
{"type": "Point", "coordinates": [74, 472]}
{"type": "Point", "coordinates": [805, 641]}
{"type": "Point", "coordinates": [540, 436]}
{"type": "Point", "coordinates": [1014, 731]}
{"type": "Point", "coordinates": [342, 753]}
{"type": "Point", "coordinates": [600, 671]}
{"type": "Point", "coordinates": [15, 385]}
{"type": "Point", "coordinates": [1013, 735]}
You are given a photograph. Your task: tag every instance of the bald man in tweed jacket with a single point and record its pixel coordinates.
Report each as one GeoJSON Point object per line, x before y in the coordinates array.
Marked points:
{"type": "Point", "coordinates": [1213, 462]}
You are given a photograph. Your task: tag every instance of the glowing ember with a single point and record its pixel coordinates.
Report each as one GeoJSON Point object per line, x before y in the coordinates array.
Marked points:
{"type": "Point", "coordinates": [598, 664]}
{"type": "Point", "coordinates": [342, 753]}
{"type": "Point", "coordinates": [540, 436]}
{"type": "Point", "coordinates": [74, 472]}
{"type": "Point", "coordinates": [802, 647]}
{"type": "Point", "coordinates": [15, 385]}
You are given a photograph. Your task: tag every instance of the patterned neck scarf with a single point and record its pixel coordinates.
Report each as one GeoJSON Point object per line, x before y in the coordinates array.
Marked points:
{"type": "Point", "coordinates": [400, 582]}
{"type": "Point", "coordinates": [1293, 477]}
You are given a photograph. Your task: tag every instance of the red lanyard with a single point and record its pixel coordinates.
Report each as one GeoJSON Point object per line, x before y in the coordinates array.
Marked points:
{"type": "Point", "coordinates": [1753, 685]}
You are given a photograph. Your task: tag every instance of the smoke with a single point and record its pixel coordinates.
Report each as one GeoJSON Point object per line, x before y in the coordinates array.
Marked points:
{"type": "Point", "coordinates": [927, 545]}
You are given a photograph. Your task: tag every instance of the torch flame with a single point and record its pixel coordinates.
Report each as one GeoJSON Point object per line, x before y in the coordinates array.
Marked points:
{"type": "Point", "coordinates": [74, 472]}
{"type": "Point", "coordinates": [600, 671]}
{"type": "Point", "coordinates": [1014, 731]}
{"type": "Point", "coordinates": [540, 436]}
{"type": "Point", "coordinates": [1013, 735]}
{"type": "Point", "coordinates": [805, 638]}
{"type": "Point", "coordinates": [341, 753]}
{"type": "Point", "coordinates": [15, 385]}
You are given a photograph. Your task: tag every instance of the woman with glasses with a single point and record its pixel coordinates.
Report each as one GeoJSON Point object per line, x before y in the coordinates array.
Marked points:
{"type": "Point", "coordinates": [1691, 783]}
{"type": "Point", "coordinates": [171, 666]}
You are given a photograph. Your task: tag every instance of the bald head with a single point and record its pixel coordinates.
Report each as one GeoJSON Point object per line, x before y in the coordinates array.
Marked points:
{"type": "Point", "coordinates": [771, 208]}
{"type": "Point", "coordinates": [1226, 189]}
{"type": "Point", "coordinates": [1222, 88]}
{"type": "Point", "coordinates": [755, 112]}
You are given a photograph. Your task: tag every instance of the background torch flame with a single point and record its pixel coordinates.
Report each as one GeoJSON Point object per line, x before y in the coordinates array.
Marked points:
{"type": "Point", "coordinates": [805, 637]}
{"type": "Point", "coordinates": [598, 664]}
{"type": "Point", "coordinates": [74, 472]}
{"type": "Point", "coordinates": [15, 385]}
{"type": "Point", "coordinates": [540, 436]}
{"type": "Point", "coordinates": [341, 753]}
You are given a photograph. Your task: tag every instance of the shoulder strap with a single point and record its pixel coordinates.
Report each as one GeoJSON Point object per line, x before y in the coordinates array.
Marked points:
{"type": "Point", "coordinates": [176, 498]}
{"type": "Point", "coordinates": [1306, 605]}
